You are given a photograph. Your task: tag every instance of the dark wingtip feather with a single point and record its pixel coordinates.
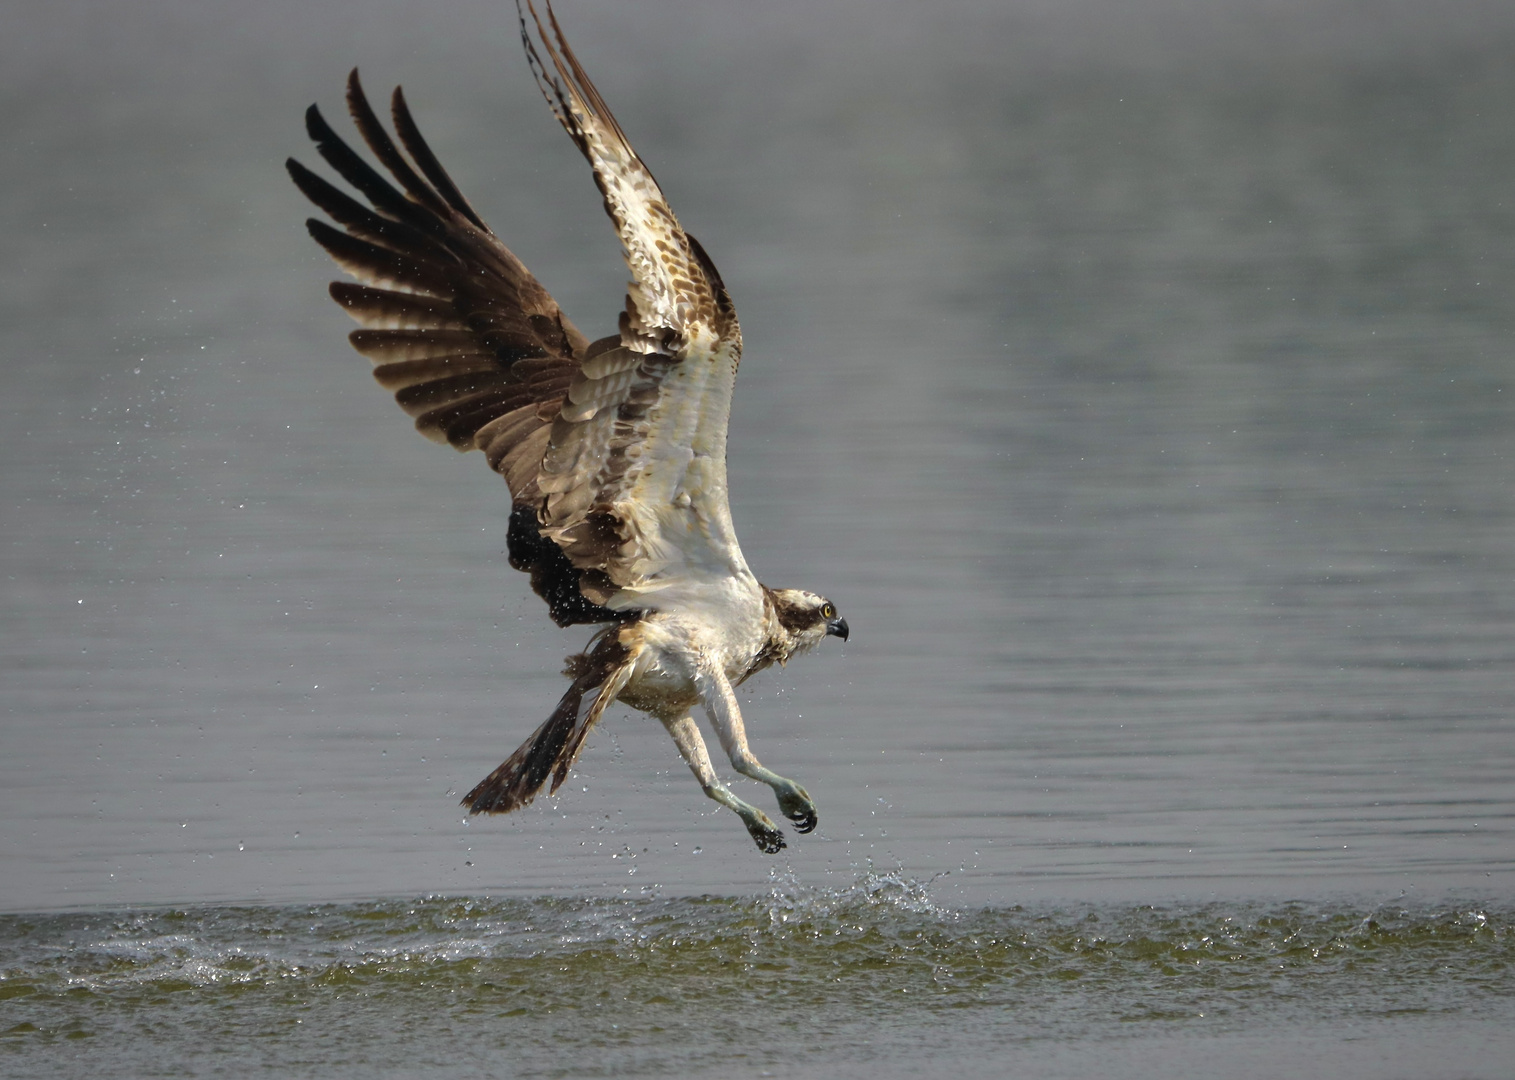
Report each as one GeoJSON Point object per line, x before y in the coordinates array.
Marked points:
{"type": "Point", "coordinates": [354, 216]}
{"type": "Point", "coordinates": [380, 265]}
{"type": "Point", "coordinates": [316, 126]}
{"type": "Point", "coordinates": [299, 174]}
{"type": "Point", "coordinates": [551, 89]}
{"type": "Point", "coordinates": [389, 155]}
{"type": "Point", "coordinates": [431, 168]}
{"type": "Point", "coordinates": [363, 176]}
{"type": "Point", "coordinates": [311, 186]}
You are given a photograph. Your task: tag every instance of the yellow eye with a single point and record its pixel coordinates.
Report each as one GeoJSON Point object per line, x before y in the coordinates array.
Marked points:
{"type": "Point", "coordinates": [827, 611]}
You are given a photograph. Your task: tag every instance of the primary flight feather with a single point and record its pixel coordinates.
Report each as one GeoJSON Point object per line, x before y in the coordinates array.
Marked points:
{"type": "Point", "coordinates": [614, 450]}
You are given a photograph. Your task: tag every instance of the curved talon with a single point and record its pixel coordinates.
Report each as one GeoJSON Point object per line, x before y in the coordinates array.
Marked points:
{"type": "Point", "coordinates": [769, 840]}
{"type": "Point", "coordinates": [797, 806]}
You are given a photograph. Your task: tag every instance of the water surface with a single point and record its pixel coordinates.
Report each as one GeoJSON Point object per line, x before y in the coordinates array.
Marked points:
{"type": "Point", "coordinates": [1134, 378]}
{"type": "Point", "coordinates": [870, 979]}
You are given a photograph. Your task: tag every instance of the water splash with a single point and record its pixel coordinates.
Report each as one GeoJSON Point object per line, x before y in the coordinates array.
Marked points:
{"type": "Point", "coordinates": [872, 893]}
{"type": "Point", "coordinates": [670, 980]}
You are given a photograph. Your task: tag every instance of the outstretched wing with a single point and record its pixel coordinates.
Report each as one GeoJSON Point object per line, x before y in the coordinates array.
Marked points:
{"type": "Point", "coordinates": [456, 326]}
{"type": "Point", "coordinates": [615, 452]}
{"type": "Point", "coordinates": [634, 476]}
{"type": "Point", "coordinates": [469, 342]}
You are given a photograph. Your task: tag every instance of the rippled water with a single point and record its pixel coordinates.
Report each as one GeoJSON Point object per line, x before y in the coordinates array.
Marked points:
{"type": "Point", "coordinates": [1136, 378]}
{"type": "Point", "coordinates": [874, 978]}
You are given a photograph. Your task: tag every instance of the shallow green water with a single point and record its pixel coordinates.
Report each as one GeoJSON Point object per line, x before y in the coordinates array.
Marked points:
{"type": "Point", "coordinates": [875, 978]}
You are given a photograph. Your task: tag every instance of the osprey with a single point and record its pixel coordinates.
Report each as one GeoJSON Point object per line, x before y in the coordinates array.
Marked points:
{"type": "Point", "coordinates": [614, 450]}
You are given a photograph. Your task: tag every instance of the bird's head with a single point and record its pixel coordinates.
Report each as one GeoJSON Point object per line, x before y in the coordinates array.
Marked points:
{"type": "Point", "coordinates": [805, 619]}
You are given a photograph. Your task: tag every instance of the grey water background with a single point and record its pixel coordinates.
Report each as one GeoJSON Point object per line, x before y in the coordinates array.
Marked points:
{"type": "Point", "coordinates": [1135, 377]}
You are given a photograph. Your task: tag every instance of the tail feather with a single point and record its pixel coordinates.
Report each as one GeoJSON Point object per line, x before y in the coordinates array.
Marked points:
{"type": "Point", "coordinates": [516, 782]}
{"type": "Point", "coordinates": [555, 746]}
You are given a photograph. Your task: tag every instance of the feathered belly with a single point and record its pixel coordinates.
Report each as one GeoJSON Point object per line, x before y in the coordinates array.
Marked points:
{"type": "Point", "coordinates": [665, 700]}
{"type": "Point", "coordinates": [664, 684]}
{"type": "Point", "coordinates": [673, 653]}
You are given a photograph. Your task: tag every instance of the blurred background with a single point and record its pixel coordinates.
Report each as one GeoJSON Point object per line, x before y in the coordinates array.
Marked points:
{"type": "Point", "coordinates": [1134, 376]}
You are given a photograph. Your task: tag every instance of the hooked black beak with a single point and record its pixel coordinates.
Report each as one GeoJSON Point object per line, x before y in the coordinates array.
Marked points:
{"type": "Point", "coordinates": [837, 627]}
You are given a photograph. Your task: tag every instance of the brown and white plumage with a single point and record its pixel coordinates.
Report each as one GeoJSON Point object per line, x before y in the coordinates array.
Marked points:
{"type": "Point", "coordinates": [614, 451]}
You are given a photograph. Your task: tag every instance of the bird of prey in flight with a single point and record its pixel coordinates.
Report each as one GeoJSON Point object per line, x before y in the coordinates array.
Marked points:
{"type": "Point", "coordinates": [614, 450]}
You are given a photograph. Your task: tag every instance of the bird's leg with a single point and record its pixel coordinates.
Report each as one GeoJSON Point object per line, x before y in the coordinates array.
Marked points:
{"type": "Point", "coordinates": [726, 718]}
{"type": "Point", "coordinates": [692, 748]}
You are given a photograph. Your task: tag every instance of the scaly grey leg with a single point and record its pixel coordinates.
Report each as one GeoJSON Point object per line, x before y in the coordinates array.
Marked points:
{"type": "Point", "coordinates": [692, 749]}
{"type": "Point", "coordinates": [726, 718]}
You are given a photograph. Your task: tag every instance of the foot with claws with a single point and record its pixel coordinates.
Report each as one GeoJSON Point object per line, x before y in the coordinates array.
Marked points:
{"type": "Point", "coordinates": [767, 836]}
{"type": "Point", "coordinates": [796, 805]}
